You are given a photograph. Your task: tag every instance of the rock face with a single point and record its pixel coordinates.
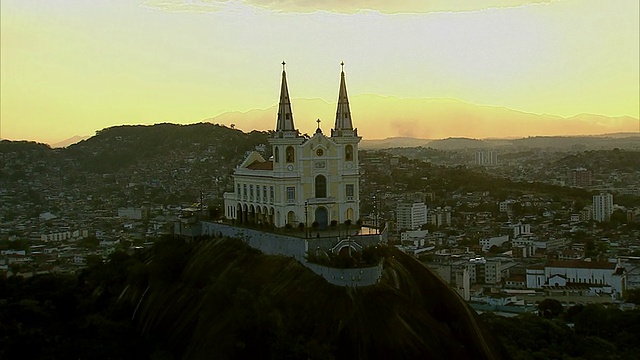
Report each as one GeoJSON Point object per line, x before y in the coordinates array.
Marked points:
{"type": "Point", "coordinates": [222, 299]}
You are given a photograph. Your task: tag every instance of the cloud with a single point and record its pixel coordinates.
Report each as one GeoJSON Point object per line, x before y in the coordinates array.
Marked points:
{"type": "Point", "coordinates": [341, 6]}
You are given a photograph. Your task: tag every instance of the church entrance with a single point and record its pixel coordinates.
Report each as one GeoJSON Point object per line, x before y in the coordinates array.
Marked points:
{"type": "Point", "coordinates": [322, 217]}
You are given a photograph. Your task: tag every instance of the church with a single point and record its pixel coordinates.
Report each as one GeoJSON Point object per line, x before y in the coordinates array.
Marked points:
{"type": "Point", "coordinates": [307, 180]}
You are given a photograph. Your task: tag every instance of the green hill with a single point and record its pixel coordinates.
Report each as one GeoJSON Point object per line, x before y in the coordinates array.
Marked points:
{"type": "Point", "coordinates": [117, 147]}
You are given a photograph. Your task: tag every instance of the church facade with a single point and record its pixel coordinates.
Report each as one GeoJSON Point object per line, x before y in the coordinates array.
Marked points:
{"type": "Point", "coordinates": [307, 179]}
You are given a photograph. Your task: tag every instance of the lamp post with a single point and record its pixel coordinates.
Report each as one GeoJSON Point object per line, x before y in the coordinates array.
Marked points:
{"type": "Point", "coordinates": [375, 214]}
{"type": "Point", "coordinates": [306, 219]}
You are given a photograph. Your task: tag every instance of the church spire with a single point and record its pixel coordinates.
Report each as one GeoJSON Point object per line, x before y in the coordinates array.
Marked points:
{"type": "Point", "coordinates": [343, 114]}
{"type": "Point", "coordinates": [285, 115]}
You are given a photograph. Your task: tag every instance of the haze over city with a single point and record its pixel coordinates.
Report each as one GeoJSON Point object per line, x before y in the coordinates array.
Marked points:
{"type": "Point", "coordinates": [513, 68]}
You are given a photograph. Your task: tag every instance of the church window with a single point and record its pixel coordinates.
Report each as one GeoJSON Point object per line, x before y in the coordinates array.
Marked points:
{"type": "Point", "coordinates": [276, 154]}
{"type": "Point", "coordinates": [238, 194]}
{"type": "Point", "coordinates": [321, 186]}
{"type": "Point", "coordinates": [258, 193]}
{"type": "Point", "coordinates": [251, 192]}
{"type": "Point", "coordinates": [350, 191]}
{"type": "Point", "coordinates": [264, 193]}
{"type": "Point", "coordinates": [291, 194]}
{"type": "Point", "coordinates": [271, 194]}
{"type": "Point", "coordinates": [290, 154]}
{"type": "Point", "coordinates": [244, 191]}
{"type": "Point", "coordinates": [348, 153]}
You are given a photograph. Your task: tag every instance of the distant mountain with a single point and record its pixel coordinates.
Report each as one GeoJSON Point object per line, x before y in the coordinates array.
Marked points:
{"type": "Point", "coordinates": [457, 143]}
{"type": "Point", "coordinates": [379, 117]}
{"type": "Point", "coordinates": [69, 141]}
{"type": "Point", "coordinates": [393, 142]}
{"type": "Point", "coordinates": [596, 142]}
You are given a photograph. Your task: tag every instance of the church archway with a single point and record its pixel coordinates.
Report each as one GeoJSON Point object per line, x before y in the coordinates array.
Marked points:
{"type": "Point", "coordinates": [348, 153]}
{"type": "Point", "coordinates": [322, 217]}
{"type": "Point", "coordinates": [239, 215]}
{"type": "Point", "coordinates": [291, 218]}
{"type": "Point", "coordinates": [290, 154]}
{"type": "Point", "coordinates": [349, 214]}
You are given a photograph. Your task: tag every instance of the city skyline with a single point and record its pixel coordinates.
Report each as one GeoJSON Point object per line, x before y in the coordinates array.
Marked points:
{"type": "Point", "coordinates": [73, 68]}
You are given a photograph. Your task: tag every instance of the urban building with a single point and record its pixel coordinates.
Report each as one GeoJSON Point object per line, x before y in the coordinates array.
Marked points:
{"type": "Point", "coordinates": [488, 243]}
{"type": "Point", "coordinates": [579, 177]}
{"type": "Point", "coordinates": [439, 216]}
{"type": "Point", "coordinates": [486, 158]}
{"type": "Point", "coordinates": [411, 215]}
{"type": "Point", "coordinates": [602, 207]}
{"type": "Point", "coordinates": [507, 205]}
{"type": "Point", "coordinates": [570, 275]}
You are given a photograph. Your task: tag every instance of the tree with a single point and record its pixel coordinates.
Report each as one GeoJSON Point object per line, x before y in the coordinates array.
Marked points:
{"type": "Point", "coordinates": [618, 217]}
{"type": "Point", "coordinates": [550, 308]}
{"type": "Point", "coordinates": [632, 296]}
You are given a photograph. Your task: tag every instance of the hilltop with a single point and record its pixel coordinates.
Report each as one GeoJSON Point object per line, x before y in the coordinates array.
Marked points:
{"type": "Point", "coordinates": [219, 298]}
{"type": "Point", "coordinates": [230, 300]}
{"type": "Point", "coordinates": [121, 146]}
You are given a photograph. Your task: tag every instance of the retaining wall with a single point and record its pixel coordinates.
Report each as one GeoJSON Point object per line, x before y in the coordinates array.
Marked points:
{"type": "Point", "coordinates": [278, 244]}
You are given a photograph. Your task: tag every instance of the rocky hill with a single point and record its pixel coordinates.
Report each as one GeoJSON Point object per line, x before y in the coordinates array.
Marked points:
{"type": "Point", "coordinates": [221, 297]}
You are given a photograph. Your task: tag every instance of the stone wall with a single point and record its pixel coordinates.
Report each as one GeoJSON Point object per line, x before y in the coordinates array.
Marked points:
{"type": "Point", "coordinates": [278, 244]}
{"type": "Point", "coordinates": [348, 277]}
{"type": "Point", "coordinates": [268, 243]}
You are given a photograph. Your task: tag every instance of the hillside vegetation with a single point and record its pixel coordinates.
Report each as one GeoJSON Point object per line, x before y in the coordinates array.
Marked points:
{"type": "Point", "coordinates": [224, 298]}
{"type": "Point", "coordinates": [220, 298]}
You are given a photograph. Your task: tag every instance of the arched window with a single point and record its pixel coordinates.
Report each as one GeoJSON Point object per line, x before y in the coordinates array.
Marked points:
{"type": "Point", "coordinates": [290, 154]}
{"type": "Point", "coordinates": [349, 214]}
{"type": "Point", "coordinates": [321, 186]}
{"type": "Point", "coordinates": [348, 153]}
{"type": "Point", "coordinates": [276, 154]}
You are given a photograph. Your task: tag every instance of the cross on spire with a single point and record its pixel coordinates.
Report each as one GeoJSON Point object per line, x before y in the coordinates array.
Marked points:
{"type": "Point", "coordinates": [343, 113]}
{"type": "Point", "coordinates": [285, 115]}
{"type": "Point", "coordinates": [318, 121]}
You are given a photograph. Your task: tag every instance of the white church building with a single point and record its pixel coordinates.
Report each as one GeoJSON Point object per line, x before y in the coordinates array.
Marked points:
{"type": "Point", "coordinates": [307, 179]}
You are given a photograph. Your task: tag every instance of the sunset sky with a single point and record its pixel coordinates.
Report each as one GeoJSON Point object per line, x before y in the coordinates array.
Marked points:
{"type": "Point", "coordinates": [71, 67]}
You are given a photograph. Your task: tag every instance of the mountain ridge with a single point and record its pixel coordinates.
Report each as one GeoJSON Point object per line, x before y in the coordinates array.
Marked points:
{"type": "Point", "coordinates": [380, 117]}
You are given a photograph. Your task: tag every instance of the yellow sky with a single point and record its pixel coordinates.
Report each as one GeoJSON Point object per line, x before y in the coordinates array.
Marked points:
{"type": "Point", "coordinates": [71, 67]}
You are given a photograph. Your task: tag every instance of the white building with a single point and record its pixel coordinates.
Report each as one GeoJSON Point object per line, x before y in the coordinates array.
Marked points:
{"type": "Point", "coordinates": [418, 237]}
{"type": "Point", "coordinates": [602, 207]}
{"type": "Point", "coordinates": [488, 243]}
{"type": "Point", "coordinates": [575, 273]}
{"type": "Point", "coordinates": [131, 213]}
{"type": "Point", "coordinates": [507, 205]}
{"type": "Point", "coordinates": [307, 179]}
{"type": "Point", "coordinates": [521, 229]}
{"type": "Point", "coordinates": [486, 157]}
{"type": "Point", "coordinates": [411, 215]}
